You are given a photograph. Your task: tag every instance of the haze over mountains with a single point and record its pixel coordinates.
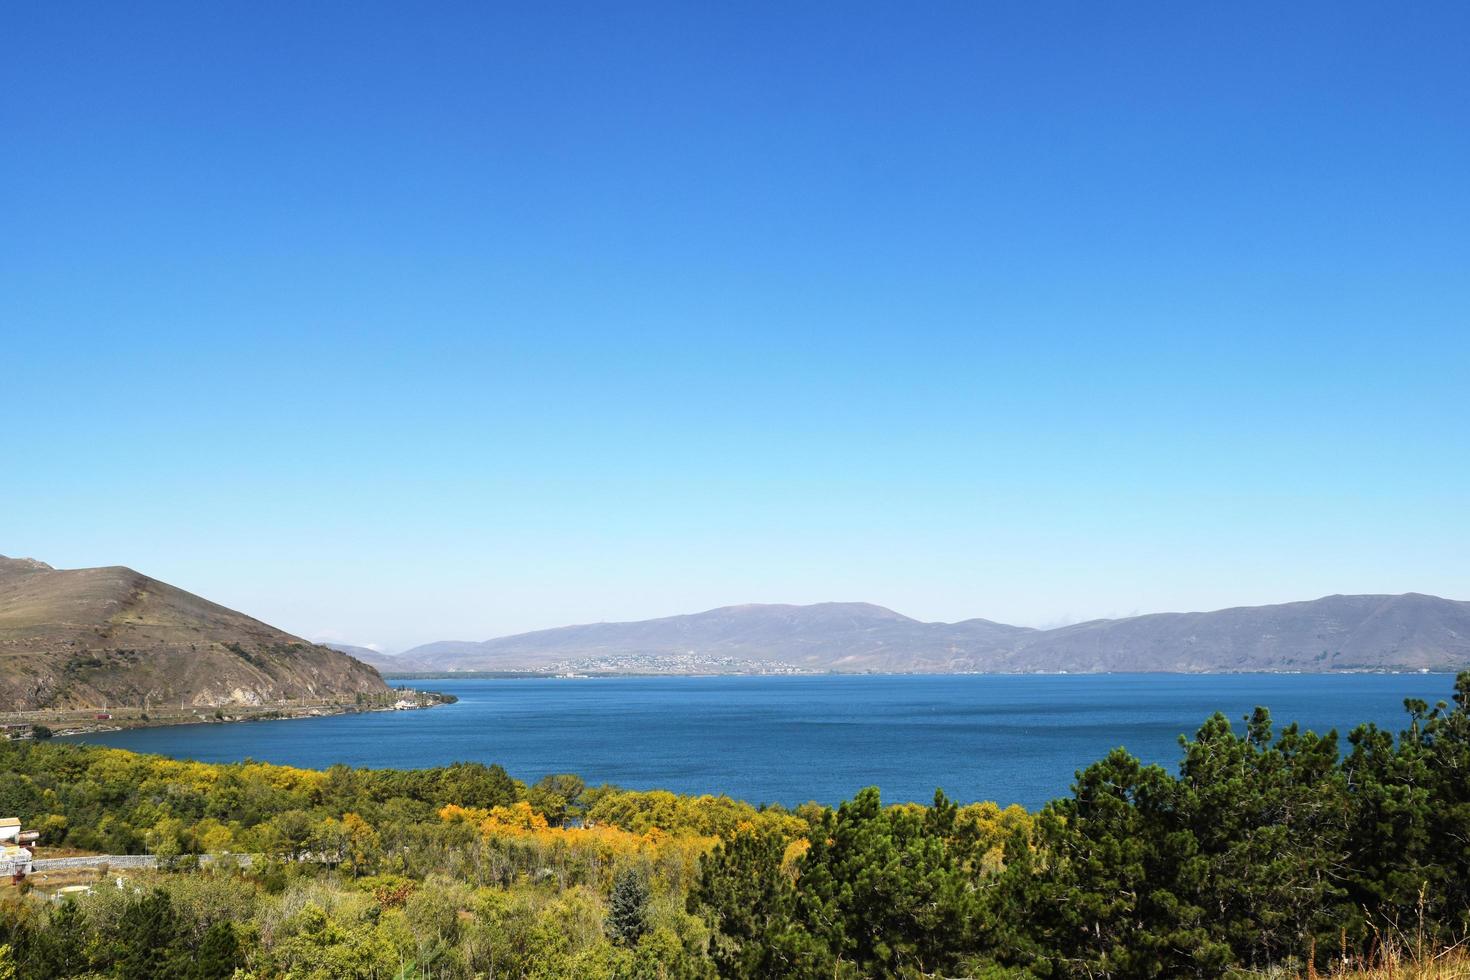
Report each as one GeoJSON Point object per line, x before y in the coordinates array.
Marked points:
{"type": "Point", "coordinates": [1335, 633]}
{"type": "Point", "coordinates": [92, 636]}
{"type": "Point", "coordinates": [373, 658]}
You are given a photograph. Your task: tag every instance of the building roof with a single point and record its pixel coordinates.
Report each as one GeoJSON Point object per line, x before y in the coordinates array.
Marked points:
{"type": "Point", "coordinates": [9, 821]}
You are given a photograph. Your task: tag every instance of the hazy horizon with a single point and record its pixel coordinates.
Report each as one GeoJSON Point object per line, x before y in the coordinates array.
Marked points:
{"type": "Point", "coordinates": [1055, 624]}
{"type": "Point", "coordinates": [388, 325]}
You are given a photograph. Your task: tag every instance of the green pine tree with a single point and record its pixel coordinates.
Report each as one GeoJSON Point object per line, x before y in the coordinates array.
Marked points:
{"type": "Point", "coordinates": [59, 949]}
{"type": "Point", "coordinates": [748, 900]}
{"type": "Point", "coordinates": [627, 915]}
{"type": "Point", "coordinates": [218, 954]}
{"type": "Point", "coordinates": [148, 934]}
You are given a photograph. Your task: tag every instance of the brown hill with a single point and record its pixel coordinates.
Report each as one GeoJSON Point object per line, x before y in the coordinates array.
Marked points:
{"type": "Point", "coordinates": [93, 636]}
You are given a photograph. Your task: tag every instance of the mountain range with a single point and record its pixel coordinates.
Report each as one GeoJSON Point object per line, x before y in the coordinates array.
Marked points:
{"type": "Point", "coordinates": [87, 637]}
{"type": "Point", "coordinates": [90, 636]}
{"type": "Point", "coordinates": [1335, 633]}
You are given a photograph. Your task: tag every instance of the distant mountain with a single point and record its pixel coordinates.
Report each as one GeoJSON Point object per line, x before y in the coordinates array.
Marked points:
{"type": "Point", "coordinates": [87, 636]}
{"type": "Point", "coordinates": [378, 661]}
{"type": "Point", "coordinates": [1369, 632]}
{"type": "Point", "coordinates": [826, 636]}
{"type": "Point", "coordinates": [1340, 632]}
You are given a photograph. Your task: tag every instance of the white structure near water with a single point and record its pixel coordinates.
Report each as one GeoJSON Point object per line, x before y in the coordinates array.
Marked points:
{"type": "Point", "coordinates": [15, 857]}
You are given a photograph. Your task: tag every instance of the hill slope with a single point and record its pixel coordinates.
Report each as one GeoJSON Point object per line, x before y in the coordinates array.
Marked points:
{"type": "Point", "coordinates": [89, 636]}
{"type": "Point", "coordinates": [1369, 632]}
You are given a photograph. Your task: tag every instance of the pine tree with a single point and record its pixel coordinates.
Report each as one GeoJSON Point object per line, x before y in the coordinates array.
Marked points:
{"type": "Point", "coordinates": [149, 930]}
{"type": "Point", "coordinates": [888, 889]}
{"type": "Point", "coordinates": [218, 954]}
{"type": "Point", "coordinates": [748, 900]}
{"type": "Point", "coordinates": [58, 950]}
{"type": "Point", "coordinates": [627, 916]}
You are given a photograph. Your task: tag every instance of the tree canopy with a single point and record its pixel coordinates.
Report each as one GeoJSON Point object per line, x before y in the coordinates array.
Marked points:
{"type": "Point", "coordinates": [1264, 850]}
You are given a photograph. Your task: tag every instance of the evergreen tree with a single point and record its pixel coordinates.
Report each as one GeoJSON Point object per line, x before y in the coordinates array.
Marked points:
{"type": "Point", "coordinates": [627, 916]}
{"type": "Point", "coordinates": [148, 931]}
{"type": "Point", "coordinates": [748, 901]}
{"type": "Point", "coordinates": [1267, 819]}
{"type": "Point", "coordinates": [889, 890]}
{"type": "Point", "coordinates": [474, 784]}
{"type": "Point", "coordinates": [218, 954]}
{"type": "Point", "coordinates": [59, 949]}
{"type": "Point", "coordinates": [1115, 887]}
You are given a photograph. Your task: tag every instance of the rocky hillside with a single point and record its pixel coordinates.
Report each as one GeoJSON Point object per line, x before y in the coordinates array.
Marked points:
{"type": "Point", "coordinates": [1363, 632]}
{"type": "Point", "coordinates": [92, 636]}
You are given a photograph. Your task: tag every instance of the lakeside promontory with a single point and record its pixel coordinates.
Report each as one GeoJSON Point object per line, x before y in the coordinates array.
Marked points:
{"type": "Point", "coordinates": [114, 641]}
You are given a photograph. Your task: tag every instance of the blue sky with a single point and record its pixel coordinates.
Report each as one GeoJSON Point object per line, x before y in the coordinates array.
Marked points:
{"type": "Point", "coordinates": [389, 323]}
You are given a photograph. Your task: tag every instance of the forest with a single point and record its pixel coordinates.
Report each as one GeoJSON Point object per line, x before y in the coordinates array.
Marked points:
{"type": "Point", "coordinates": [1266, 852]}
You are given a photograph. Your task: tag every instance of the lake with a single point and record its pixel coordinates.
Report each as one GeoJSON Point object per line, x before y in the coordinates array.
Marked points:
{"type": "Point", "coordinates": [1009, 738]}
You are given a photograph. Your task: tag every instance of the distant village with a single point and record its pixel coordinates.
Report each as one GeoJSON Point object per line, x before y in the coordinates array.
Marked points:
{"type": "Point", "coordinates": [662, 663]}
{"type": "Point", "coordinates": [77, 721]}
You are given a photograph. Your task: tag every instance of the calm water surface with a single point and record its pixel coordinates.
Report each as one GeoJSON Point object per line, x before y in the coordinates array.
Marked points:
{"type": "Point", "coordinates": [789, 739]}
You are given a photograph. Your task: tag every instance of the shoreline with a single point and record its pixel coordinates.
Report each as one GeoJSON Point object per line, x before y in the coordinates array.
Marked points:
{"type": "Point", "coordinates": [544, 675]}
{"type": "Point", "coordinates": [64, 722]}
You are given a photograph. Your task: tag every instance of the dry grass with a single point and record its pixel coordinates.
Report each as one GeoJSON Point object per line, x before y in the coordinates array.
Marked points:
{"type": "Point", "coordinates": [45, 851]}
{"type": "Point", "coordinates": [1398, 954]}
{"type": "Point", "coordinates": [1448, 964]}
{"type": "Point", "coordinates": [1452, 964]}
{"type": "Point", "coordinates": [48, 883]}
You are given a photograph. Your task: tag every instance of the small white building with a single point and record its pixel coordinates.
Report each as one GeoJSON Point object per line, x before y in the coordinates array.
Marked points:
{"type": "Point", "coordinates": [15, 860]}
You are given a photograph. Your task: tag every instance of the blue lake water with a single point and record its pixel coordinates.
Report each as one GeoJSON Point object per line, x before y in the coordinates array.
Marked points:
{"type": "Point", "coordinates": [1007, 738]}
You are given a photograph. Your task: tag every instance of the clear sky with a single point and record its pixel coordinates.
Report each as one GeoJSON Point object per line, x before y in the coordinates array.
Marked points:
{"type": "Point", "coordinates": [389, 323]}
